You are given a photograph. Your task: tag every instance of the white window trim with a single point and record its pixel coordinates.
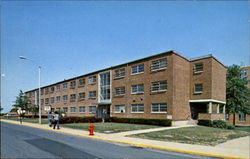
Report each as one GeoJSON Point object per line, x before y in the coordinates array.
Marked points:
{"type": "Point", "coordinates": [137, 73]}
{"type": "Point", "coordinates": [163, 90]}
{"type": "Point", "coordinates": [197, 72]}
{"type": "Point", "coordinates": [119, 77]}
{"type": "Point", "coordinates": [158, 69]}
{"type": "Point", "coordinates": [120, 112]}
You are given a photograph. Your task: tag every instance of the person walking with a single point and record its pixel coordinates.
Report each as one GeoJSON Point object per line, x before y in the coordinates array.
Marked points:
{"type": "Point", "coordinates": [56, 120]}
{"type": "Point", "coordinates": [50, 116]}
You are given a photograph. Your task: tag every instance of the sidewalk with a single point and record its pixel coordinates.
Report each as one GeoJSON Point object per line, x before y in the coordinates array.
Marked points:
{"type": "Point", "coordinates": [237, 148]}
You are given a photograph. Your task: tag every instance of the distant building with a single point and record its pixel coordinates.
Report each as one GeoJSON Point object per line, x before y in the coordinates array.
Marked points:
{"type": "Point", "coordinates": [166, 85]}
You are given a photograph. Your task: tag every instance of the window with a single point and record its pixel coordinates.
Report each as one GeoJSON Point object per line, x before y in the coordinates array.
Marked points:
{"type": "Point", "coordinates": [47, 101]}
{"type": "Point", "coordinates": [81, 82]}
{"type": "Point", "coordinates": [52, 99]}
{"type": "Point", "coordinates": [159, 64]}
{"type": "Point", "coordinates": [72, 84]}
{"type": "Point", "coordinates": [52, 89]}
{"type": "Point", "coordinates": [65, 97]}
{"type": "Point", "coordinates": [242, 117]}
{"type": "Point", "coordinates": [137, 108]}
{"type": "Point", "coordinates": [92, 94]}
{"type": "Point", "coordinates": [198, 67]}
{"type": "Point", "coordinates": [42, 91]}
{"type": "Point", "coordinates": [158, 86]}
{"type": "Point", "coordinates": [137, 89]}
{"type": "Point", "coordinates": [159, 107]}
{"type": "Point", "coordinates": [58, 98]}
{"type": "Point", "coordinates": [72, 97]}
{"type": "Point", "coordinates": [65, 85]}
{"type": "Point", "coordinates": [42, 101]}
{"type": "Point", "coordinates": [120, 109]}
{"type": "Point", "coordinates": [243, 74]}
{"type": "Point", "coordinates": [65, 109]}
{"type": "Point", "coordinates": [92, 80]}
{"type": "Point", "coordinates": [52, 109]}
{"type": "Point", "coordinates": [82, 109]}
{"type": "Point", "coordinates": [227, 116]}
{"type": "Point", "coordinates": [198, 88]}
{"type": "Point", "coordinates": [119, 91]}
{"type": "Point", "coordinates": [138, 69]}
{"type": "Point", "coordinates": [104, 86]}
{"type": "Point", "coordinates": [33, 94]}
{"type": "Point", "coordinates": [73, 109]}
{"type": "Point", "coordinates": [81, 96]}
{"type": "Point", "coordinates": [58, 109]}
{"type": "Point", "coordinates": [120, 73]}
{"type": "Point", "coordinates": [92, 109]}
{"type": "Point", "coordinates": [46, 90]}
{"type": "Point", "coordinates": [58, 87]}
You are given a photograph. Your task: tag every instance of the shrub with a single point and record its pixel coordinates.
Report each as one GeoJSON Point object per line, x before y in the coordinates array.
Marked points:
{"type": "Point", "coordinates": [205, 122]}
{"type": "Point", "coordinates": [160, 122]}
{"type": "Point", "coordinates": [219, 124]}
{"type": "Point", "coordinates": [230, 126]}
{"type": "Point", "coordinates": [65, 120]}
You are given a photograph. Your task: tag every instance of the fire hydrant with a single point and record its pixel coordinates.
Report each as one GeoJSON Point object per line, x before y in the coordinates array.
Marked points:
{"type": "Point", "coordinates": [91, 129]}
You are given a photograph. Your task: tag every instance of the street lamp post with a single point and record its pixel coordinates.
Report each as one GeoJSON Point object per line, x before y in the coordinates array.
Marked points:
{"type": "Point", "coordinates": [39, 88]}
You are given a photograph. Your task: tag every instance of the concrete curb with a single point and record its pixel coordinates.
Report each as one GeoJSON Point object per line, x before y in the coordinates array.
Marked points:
{"type": "Point", "coordinates": [130, 143]}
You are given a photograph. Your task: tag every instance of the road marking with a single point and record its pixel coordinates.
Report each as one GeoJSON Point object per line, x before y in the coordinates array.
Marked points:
{"type": "Point", "coordinates": [129, 143]}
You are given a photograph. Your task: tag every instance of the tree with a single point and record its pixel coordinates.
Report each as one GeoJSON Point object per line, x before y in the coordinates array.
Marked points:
{"type": "Point", "coordinates": [22, 102]}
{"type": "Point", "coordinates": [33, 109]}
{"type": "Point", "coordinates": [237, 93]}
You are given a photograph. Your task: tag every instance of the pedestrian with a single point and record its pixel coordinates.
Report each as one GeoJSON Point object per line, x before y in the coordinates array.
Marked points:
{"type": "Point", "coordinates": [50, 116]}
{"type": "Point", "coordinates": [56, 120]}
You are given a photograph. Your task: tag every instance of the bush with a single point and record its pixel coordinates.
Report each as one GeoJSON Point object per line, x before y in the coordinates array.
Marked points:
{"type": "Point", "coordinates": [65, 120]}
{"type": "Point", "coordinates": [230, 126]}
{"type": "Point", "coordinates": [219, 124]}
{"type": "Point", "coordinates": [205, 122]}
{"type": "Point", "coordinates": [160, 122]}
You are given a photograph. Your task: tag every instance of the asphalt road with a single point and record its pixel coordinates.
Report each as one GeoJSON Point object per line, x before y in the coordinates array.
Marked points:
{"type": "Point", "coordinates": [26, 142]}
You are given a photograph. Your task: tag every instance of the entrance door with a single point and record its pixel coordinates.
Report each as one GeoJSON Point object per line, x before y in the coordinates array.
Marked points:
{"type": "Point", "coordinates": [103, 111]}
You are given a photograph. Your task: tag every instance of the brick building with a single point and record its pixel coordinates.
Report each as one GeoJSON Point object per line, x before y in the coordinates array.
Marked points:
{"type": "Point", "coordinates": [166, 85]}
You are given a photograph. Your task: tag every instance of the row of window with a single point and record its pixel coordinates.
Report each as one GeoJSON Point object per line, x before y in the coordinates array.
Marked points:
{"type": "Point", "coordinates": [139, 108]}
{"type": "Point", "coordinates": [81, 83]}
{"type": "Point", "coordinates": [135, 108]}
{"type": "Point", "coordinates": [137, 69]}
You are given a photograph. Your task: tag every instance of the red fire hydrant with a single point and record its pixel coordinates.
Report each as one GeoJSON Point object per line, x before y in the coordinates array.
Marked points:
{"type": "Point", "coordinates": [91, 129]}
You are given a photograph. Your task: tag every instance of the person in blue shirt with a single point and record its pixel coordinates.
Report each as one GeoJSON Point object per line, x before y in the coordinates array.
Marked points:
{"type": "Point", "coordinates": [56, 120]}
{"type": "Point", "coordinates": [50, 116]}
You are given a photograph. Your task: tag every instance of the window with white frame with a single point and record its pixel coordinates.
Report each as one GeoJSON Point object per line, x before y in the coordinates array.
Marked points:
{"type": "Point", "coordinates": [65, 85]}
{"type": "Point", "coordinates": [159, 64]}
{"type": "Point", "coordinates": [81, 96]}
{"type": "Point", "coordinates": [137, 89]}
{"type": "Point", "coordinates": [72, 84]}
{"type": "Point", "coordinates": [82, 109]}
{"type": "Point", "coordinates": [65, 97]}
{"type": "Point", "coordinates": [119, 91]}
{"type": "Point", "coordinates": [52, 89]}
{"type": "Point", "coordinates": [46, 100]}
{"type": "Point", "coordinates": [159, 107]}
{"type": "Point", "coordinates": [52, 99]}
{"type": "Point", "coordinates": [65, 109]}
{"type": "Point", "coordinates": [58, 87]}
{"type": "Point", "coordinates": [46, 90]}
{"type": "Point", "coordinates": [73, 109]}
{"type": "Point", "coordinates": [137, 108]}
{"type": "Point", "coordinates": [92, 109]}
{"type": "Point", "coordinates": [198, 88]}
{"type": "Point", "coordinates": [42, 101]}
{"type": "Point", "coordinates": [198, 67]}
{"type": "Point", "coordinates": [243, 74]}
{"type": "Point", "coordinates": [137, 69]}
{"type": "Point", "coordinates": [81, 82]}
{"type": "Point", "coordinates": [92, 94]}
{"type": "Point", "coordinates": [72, 97]}
{"type": "Point", "coordinates": [119, 108]}
{"type": "Point", "coordinates": [42, 91]}
{"type": "Point", "coordinates": [120, 73]}
{"type": "Point", "coordinates": [58, 98]}
{"type": "Point", "coordinates": [159, 86]}
{"type": "Point", "coordinates": [242, 117]}
{"type": "Point", "coordinates": [92, 79]}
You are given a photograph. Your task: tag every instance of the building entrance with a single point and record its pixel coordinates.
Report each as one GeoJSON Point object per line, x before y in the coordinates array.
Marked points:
{"type": "Point", "coordinates": [103, 111]}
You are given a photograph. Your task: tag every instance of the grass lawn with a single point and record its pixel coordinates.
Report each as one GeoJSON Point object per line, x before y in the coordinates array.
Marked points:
{"type": "Point", "coordinates": [29, 120]}
{"type": "Point", "coordinates": [109, 127]}
{"type": "Point", "coordinates": [194, 135]}
{"type": "Point", "coordinates": [243, 128]}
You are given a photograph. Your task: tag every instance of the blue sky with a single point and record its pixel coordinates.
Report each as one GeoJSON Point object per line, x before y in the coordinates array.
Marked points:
{"type": "Point", "coordinates": [71, 38]}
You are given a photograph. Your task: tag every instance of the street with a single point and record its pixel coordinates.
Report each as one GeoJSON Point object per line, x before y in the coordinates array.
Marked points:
{"type": "Point", "coordinates": [25, 142]}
